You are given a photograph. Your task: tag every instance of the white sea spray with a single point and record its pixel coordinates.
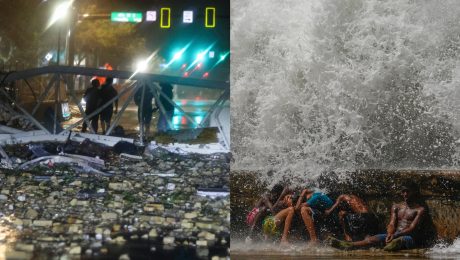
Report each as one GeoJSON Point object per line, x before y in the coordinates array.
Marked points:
{"type": "Point", "coordinates": [335, 85]}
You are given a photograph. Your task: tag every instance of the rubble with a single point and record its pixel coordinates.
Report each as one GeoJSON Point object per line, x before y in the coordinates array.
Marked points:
{"type": "Point", "coordinates": [56, 204]}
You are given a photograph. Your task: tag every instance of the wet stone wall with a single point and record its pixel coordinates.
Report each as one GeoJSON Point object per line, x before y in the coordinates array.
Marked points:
{"type": "Point", "coordinates": [440, 192]}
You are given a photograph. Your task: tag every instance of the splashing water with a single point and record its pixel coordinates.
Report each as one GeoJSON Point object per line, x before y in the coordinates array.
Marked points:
{"type": "Point", "coordinates": [445, 251]}
{"type": "Point", "coordinates": [342, 85]}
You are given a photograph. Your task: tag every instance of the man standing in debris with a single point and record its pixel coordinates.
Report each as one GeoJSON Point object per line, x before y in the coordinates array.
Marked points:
{"type": "Point", "coordinates": [91, 98]}
{"type": "Point", "coordinates": [404, 222]}
{"type": "Point", "coordinates": [147, 108]}
{"type": "Point", "coordinates": [168, 112]}
{"type": "Point", "coordinates": [107, 93]}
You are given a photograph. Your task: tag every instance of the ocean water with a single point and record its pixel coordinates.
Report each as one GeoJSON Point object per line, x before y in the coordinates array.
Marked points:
{"type": "Point", "coordinates": [341, 85]}
{"type": "Point", "coordinates": [267, 251]}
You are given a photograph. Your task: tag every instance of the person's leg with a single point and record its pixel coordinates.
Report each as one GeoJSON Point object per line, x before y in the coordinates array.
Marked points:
{"type": "Point", "coordinates": [161, 127]}
{"type": "Point", "coordinates": [259, 215]}
{"type": "Point", "coordinates": [108, 120]}
{"type": "Point", "coordinates": [139, 118]}
{"type": "Point", "coordinates": [380, 238]}
{"type": "Point", "coordinates": [307, 217]}
{"type": "Point", "coordinates": [103, 126]}
{"type": "Point", "coordinates": [403, 242]}
{"type": "Point", "coordinates": [148, 113]}
{"type": "Point", "coordinates": [342, 218]}
{"type": "Point", "coordinates": [377, 239]}
{"type": "Point", "coordinates": [169, 116]}
{"type": "Point", "coordinates": [102, 117]}
{"type": "Point", "coordinates": [94, 123]}
{"type": "Point", "coordinates": [285, 216]}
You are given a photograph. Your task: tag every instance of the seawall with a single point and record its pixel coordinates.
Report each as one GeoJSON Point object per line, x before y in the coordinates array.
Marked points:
{"type": "Point", "coordinates": [440, 189]}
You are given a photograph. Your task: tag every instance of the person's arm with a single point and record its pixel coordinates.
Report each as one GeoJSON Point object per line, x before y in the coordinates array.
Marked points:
{"type": "Point", "coordinates": [267, 203]}
{"type": "Point", "coordinates": [85, 95]}
{"type": "Point", "coordinates": [299, 201]}
{"type": "Point", "coordinates": [414, 223]}
{"type": "Point", "coordinates": [115, 93]}
{"type": "Point", "coordinates": [279, 201]}
{"type": "Point", "coordinates": [391, 228]}
{"type": "Point", "coordinates": [336, 204]}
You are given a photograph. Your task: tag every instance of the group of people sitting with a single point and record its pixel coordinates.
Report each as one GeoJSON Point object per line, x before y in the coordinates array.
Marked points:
{"type": "Point", "coordinates": [348, 217]}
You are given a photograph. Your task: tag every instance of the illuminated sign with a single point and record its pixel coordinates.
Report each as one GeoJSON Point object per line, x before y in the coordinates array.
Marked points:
{"type": "Point", "coordinates": [210, 17]}
{"type": "Point", "coordinates": [151, 16]}
{"type": "Point", "coordinates": [188, 17]}
{"type": "Point", "coordinates": [165, 17]}
{"type": "Point", "coordinates": [126, 17]}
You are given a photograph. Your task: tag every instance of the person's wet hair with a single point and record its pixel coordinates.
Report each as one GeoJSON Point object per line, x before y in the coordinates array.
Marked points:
{"type": "Point", "coordinates": [95, 83]}
{"type": "Point", "coordinates": [277, 190]}
{"type": "Point", "coordinates": [410, 186]}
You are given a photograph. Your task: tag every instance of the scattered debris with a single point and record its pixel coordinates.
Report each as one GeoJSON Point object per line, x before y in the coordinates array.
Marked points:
{"type": "Point", "coordinates": [129, 156]}
{"type": "Point", "coordinates": [79, 165]}
{"type": "Point", "coordinates": [81, 194]}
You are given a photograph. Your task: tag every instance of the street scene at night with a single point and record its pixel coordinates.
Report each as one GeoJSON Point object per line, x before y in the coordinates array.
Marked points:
{"type": "Point", "coordinates": [114, 129]}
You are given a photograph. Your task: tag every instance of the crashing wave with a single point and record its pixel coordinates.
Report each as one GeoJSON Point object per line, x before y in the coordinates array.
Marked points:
{"type": "Point", "coordinates": [341, 85]}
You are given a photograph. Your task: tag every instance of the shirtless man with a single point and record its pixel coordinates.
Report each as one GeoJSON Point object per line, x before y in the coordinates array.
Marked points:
{"type": "Point", "coordinates": [404, 220]}
{"type": "Point", "coordinates": [354, 216]}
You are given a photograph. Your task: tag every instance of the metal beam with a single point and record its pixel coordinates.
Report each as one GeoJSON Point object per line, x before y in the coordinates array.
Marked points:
{"type": "Point", "coordinates": [162, 109]}
{"type": "Point", "coordinates": [30, 117]}
{"type": "Point", "coordinates": [82, 111]}
{"type": "Point", "coordinates": [216, 104]}
{"type": "Point", "coordinates": [43, 95]}
{"type": "Point", "coordinates": [171, 102]}
{"type": "Point", "coordinates": [123, 108]}
{"type": "Point", "coordinates": [141, 119]}
{"type": "Point", "coordinates": [56, 101]}
{"type": "Point", "coordinates": [31, 90]}
{"type": "Point", "coordinates": [16, 75]}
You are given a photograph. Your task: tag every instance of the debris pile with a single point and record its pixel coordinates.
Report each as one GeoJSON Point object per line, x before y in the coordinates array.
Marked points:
{"type": "Point", "coordinates": [61, 200]}
{"type": "Point", "coordinates": [11, 118]}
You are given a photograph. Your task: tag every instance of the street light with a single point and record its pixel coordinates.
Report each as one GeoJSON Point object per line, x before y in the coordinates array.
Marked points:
{"type": "Point", "coordinates": [60, 12]}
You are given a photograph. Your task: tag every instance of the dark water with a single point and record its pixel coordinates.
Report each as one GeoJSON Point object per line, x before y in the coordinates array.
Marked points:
{"type": "Point", "coordinates": [265, 251]}
{"type": "Point", "coordinates": [143, 250]}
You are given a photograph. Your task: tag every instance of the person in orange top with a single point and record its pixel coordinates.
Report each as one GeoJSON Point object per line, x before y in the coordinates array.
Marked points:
{"type": "Point", "coordinates": [107, 66]}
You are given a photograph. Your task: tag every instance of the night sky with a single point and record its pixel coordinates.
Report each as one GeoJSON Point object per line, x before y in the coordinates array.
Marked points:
{"type": "Point", "coordinates": [179, 34]}
{"type": "Point", "coordinates": [165, 40]}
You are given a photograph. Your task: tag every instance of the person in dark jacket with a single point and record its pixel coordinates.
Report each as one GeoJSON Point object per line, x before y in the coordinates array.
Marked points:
{"type": "Point", "coordinates": [107, 93]}
{"type": "Point", "coordinates": [163, 119]}
{"type": "Point", "coordinates": [91, 98]}
{"type": "Point", "coordinates": [147, 107]}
